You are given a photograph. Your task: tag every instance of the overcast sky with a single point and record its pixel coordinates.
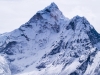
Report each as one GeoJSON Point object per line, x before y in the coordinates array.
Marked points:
{"type": "Point", "coordinates": [14, 13]}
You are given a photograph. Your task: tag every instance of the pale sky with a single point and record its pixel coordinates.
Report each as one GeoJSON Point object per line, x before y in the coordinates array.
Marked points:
{"type": "Point", "coordinates": [14, 13]}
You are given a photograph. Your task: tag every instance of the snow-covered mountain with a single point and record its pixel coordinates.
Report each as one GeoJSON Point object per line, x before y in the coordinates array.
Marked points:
{"type": "Point", "coordinates": [51, 44]}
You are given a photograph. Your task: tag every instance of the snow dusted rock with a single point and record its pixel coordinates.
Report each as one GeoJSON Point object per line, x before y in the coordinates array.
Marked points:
{"type": "Point", "coordinates": [50, 44]}
{"type": "Point", "coordinates": [4, 67]}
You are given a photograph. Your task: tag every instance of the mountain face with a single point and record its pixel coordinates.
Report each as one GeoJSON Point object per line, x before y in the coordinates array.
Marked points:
{"type": "Point", "coordinates": [51, 44]}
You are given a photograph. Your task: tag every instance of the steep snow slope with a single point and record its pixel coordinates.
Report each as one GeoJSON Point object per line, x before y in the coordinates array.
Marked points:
{"type": "Point", "coordinates": [50, 44]}
{"type": "Point", "coordinates": [4, 67]}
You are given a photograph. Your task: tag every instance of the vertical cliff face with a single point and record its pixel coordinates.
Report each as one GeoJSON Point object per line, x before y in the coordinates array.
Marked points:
{"type": "Point", "coordinates": [49, 41]}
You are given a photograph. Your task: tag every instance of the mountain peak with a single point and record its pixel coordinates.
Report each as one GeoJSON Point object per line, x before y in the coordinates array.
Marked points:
{"type": "Point", "coordinates": [51, 11]}
{"type": "Point", "coordinates": [77, 17]}
{"type": "Point", "coordinates": [53, 5]}
{"type": "Point", "coordinates": [78, 23]}
{"type": "Point", "coordinates": [51, 8]}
